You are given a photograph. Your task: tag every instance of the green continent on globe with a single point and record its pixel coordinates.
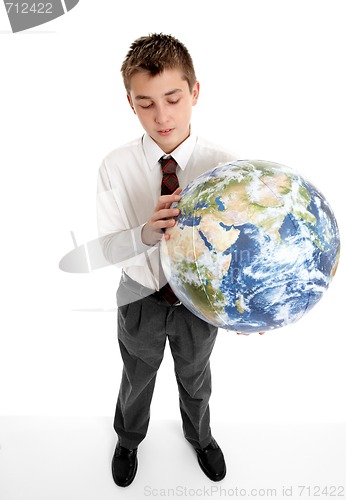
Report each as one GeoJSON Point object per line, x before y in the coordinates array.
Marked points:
{"type": "Point", "coordinates": [242, 231]}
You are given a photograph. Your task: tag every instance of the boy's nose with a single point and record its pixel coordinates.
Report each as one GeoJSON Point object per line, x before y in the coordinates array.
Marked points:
{"type": "Point", "coordinates": [161, 116]}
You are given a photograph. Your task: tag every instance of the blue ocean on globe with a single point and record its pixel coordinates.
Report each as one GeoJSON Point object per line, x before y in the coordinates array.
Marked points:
{"type": "Point", "coordinates": [255, 246]}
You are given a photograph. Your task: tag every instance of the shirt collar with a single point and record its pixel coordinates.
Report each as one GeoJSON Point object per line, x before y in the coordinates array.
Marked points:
{"type": "Point", "coordinates": [181, 154]}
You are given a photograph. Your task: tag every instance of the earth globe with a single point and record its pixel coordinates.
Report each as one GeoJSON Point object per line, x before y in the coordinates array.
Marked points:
{"type": "Point", "coordinates": [254, 248]}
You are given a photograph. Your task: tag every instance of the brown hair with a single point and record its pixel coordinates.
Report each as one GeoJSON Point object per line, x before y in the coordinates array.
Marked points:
{"type": "Point", "coordinates": [155, 53]}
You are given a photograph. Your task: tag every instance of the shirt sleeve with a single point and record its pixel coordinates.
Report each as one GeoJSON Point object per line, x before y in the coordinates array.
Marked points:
{"type": "Point", "coordinates": [119, 243]}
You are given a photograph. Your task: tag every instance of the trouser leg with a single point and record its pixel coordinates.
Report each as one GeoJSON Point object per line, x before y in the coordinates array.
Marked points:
{"type": "Point", "coordinates": [142, 343]}
{"type": "Point", "coordinates": [191, 342]}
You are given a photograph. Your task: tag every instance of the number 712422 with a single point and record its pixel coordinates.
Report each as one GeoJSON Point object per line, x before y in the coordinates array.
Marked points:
{"type": "Point", "coordinates": [26, 8]}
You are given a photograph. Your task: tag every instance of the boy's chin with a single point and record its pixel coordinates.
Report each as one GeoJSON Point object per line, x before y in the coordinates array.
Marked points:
{"type": "Point", "coordinates": [170, 142]}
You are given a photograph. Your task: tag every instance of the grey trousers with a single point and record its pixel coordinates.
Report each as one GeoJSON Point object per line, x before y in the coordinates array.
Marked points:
{"type": "Point", "coordinates": [144, 324]}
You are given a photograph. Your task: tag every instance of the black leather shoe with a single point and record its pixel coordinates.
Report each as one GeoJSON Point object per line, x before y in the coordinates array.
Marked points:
{"type": "Point", "coordinates": [211, 461]}
{"type": "Point", "coordinates": [124, 465]}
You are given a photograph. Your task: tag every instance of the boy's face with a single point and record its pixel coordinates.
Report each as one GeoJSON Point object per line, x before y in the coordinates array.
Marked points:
{"type": "Point", "coordinates": [163, 104]}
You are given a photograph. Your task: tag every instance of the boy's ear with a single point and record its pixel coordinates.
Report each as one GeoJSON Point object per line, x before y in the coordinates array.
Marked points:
{"type": "Point", "coordinates": [130, 103]}
{"type": "Point", "coordinates": [195, 93]}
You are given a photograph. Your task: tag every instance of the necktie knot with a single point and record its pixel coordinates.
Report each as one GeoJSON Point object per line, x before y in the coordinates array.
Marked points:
{"type": "Point", "coordinates": [168, 164]}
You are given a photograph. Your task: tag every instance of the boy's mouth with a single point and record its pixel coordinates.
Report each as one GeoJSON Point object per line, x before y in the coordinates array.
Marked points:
{"type": "Point", "coordinates": [165, 132]}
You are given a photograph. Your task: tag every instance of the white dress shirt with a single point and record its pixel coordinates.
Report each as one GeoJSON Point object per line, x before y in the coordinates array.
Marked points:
{"type": "Point", "coordinates": [129, 186]}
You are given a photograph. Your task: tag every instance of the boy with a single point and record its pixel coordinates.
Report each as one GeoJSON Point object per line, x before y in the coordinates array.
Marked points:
{"type": "Point", "coordinates": [133, 212]}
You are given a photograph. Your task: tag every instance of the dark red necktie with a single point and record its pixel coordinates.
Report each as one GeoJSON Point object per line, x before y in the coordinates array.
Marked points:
{"type": "Point", "coordinates": [169, 178]}
{"type": "Point", "coordinates": [169, 184]}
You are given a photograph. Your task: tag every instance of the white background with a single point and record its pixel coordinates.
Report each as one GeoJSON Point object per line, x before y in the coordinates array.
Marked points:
{"type": "Point", "coordinates": [272, 87]}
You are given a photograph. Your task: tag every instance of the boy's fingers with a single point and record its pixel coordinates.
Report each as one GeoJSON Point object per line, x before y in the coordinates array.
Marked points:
{"type": "Point", "coordinates": [167, 199]}
{"type": "Point", "coordinates": [166, 213]}
{"type": "Point", "coordinates": [239, 333]}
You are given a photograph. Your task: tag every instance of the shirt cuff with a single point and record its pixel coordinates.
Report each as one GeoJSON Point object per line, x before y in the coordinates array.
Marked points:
{"type": "Point", "coordinates": [137, 240]}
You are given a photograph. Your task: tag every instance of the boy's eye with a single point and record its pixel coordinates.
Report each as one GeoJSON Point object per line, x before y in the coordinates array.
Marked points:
{"type": "Point", "coordinates": [146, 107]}
{"type": "Point", "coordinates": [174, 102]}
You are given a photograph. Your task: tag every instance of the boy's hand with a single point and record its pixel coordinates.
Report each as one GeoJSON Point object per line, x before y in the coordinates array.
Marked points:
{"type": "Point", "coordinates": [161, 218]}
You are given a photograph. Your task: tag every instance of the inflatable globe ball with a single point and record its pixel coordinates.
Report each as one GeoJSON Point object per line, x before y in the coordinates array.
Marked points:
{"type": "Point", "coordinates": [254, 248]}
